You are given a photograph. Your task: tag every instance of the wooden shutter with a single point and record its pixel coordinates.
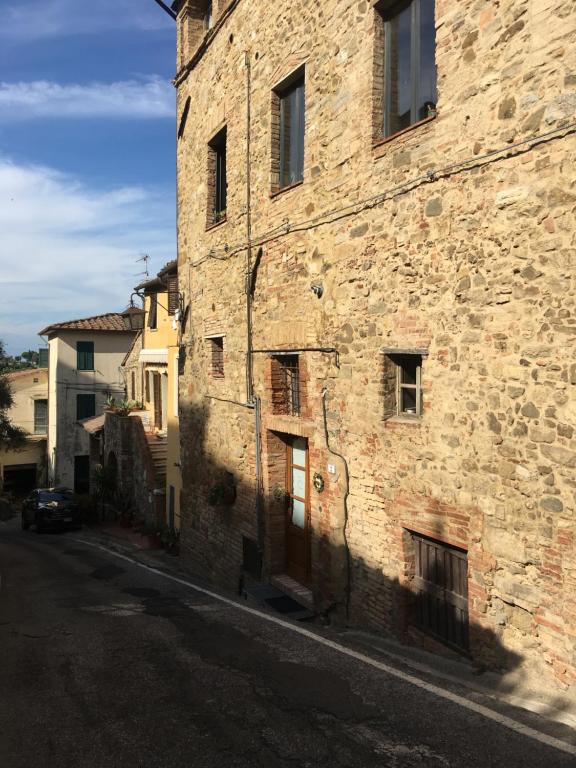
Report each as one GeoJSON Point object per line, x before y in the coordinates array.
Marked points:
{"type": "Point", "coordinates": [147, 385]}
{"type": "Point", "coordinates": [217, 361]}
{"type": "Point", "coordinates": [133, 384]}
{"type": "Point", "coordinates": [172, 282]}
{"type": "Point", "coordinates": [278, 382]}
{"type": "Point", "coordinates": [389, 381]}
{"type": "Point", "coordinates": [157, 400]}
{"type": "Point", "coordinates": [441, 581]}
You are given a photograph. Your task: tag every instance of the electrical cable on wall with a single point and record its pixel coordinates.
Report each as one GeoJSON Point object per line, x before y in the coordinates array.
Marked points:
{"type": "Point", "coordinates": [393, 192]}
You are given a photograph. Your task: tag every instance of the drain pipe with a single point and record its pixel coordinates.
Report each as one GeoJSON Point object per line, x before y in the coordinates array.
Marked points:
{"type": "Point", "coordinates": [345, 503]}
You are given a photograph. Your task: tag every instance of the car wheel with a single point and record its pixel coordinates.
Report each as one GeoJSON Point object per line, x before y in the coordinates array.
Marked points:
{"type": "Point", "coordinates": [25, 524]}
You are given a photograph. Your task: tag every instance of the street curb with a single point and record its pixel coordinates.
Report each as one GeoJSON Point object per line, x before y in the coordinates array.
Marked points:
{"type": "Point", "coordinates": [357, 642]}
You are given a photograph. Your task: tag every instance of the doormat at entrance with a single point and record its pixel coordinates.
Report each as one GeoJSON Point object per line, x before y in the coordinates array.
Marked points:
{"type": "Point", "coordinates": [284, 604]}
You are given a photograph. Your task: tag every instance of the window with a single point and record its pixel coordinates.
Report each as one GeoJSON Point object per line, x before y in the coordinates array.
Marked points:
{"type": "Point", "coordinates": [153, 312]}
{"type": "Point", "coordinates": [409, 65]}
{"type": "Point", "coordinates": [208, 16]}
{"type": "Point", "coordinates": [288, 108]}
{"type": "Point", "coordinates": [85, 406]}
{"type": "Point", "coordinates": [402, 384]}
{"type": "Point", "coordinates": [217, 357]}
{"type": "Point", "coordinates": [43, 358]}
{"type": "Point", "coordinates": [85, 355]}
{"type": "Point", "coordinates": [40, 416]}
{"type": "Point", "coordinates": [285, 376]}
{"type": "Point", "coordinates": [217, 177]}
{"type": "Point", "coordinates": [441, 584]}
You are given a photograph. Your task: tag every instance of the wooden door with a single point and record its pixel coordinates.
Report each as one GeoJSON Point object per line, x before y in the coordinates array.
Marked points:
{"type": "Point", "coordinates": [441, 580]}
{"type": "Point", "coordinates": [298, 513]}
{"type": "Point", "coordinates": [157, 400]}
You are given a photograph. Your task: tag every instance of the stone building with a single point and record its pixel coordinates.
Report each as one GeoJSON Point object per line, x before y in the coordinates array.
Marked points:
{"type": "Point", "coordinates": [377, 253]}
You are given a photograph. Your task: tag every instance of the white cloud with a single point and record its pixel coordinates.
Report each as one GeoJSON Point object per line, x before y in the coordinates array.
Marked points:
{"type": "Point", "coordinates": [37, 19]}
{"type": "Point", "coordinates": [149, 98]}
{"type": "Point", "coordinates": [69, 251]}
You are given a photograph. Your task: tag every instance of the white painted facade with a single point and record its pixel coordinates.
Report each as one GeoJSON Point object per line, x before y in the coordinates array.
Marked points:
{"type": "Point", "coordinates": [66, 437]}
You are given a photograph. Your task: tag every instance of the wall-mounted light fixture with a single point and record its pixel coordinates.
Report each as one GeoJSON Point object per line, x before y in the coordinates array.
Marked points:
{"type": "Point", "coordinates": [317, 289]}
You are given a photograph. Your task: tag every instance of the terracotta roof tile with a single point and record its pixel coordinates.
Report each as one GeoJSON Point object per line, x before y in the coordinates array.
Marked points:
{"type": "Point", "coordinates": [111, 321]}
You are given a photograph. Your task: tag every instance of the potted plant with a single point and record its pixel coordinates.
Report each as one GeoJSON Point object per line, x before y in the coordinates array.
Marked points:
{"type": "Point", "coordinates": [280, 494]}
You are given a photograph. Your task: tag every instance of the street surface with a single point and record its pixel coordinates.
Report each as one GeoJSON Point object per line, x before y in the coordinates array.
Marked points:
{"type": "Point", "coordinates": [103, 664]}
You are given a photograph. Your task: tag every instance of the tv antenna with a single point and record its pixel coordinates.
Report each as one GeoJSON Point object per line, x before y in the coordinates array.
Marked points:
{"type": "Point", "coordinates": [144, 258]}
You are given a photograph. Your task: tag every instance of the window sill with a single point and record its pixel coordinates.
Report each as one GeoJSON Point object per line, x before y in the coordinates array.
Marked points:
{"type": "Point", "coordinates": [414, 421]}
{"type": "Point", "coordinates": [276, 192]}
{"type": "Point", "coordinates": [386, 139]}
{"type": "Point", "coordinates": [215, 224]}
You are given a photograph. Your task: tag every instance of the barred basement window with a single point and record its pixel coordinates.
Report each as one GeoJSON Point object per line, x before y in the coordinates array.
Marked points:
{"type": "Point", "coordinates": [285, 374]}
{"type": "Point", "coordinates": [402, 384]}
{"type": "Point", "coordinates": [217, 357]}
{"type": "Point", "coordinates": [409, 62]}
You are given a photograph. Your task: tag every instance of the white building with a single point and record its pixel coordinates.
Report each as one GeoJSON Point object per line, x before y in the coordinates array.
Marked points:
{"type": "Point", "coordinates": [84, 370]}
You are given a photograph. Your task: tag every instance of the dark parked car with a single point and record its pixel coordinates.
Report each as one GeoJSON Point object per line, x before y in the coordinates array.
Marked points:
{"type": "Point", "coordinates": [50, 508]}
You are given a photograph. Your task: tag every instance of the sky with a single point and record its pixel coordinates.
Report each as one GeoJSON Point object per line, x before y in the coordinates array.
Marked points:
{"type": "Point", "coordinates": [87, 158]}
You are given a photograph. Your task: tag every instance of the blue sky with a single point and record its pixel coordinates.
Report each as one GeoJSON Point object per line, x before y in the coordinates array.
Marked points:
{"type": "Point", "coordinates": [87, 157]}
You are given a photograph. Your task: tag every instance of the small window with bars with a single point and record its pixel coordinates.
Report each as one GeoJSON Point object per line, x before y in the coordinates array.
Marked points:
{"type": "Point", "coordinates": [285, 376]}
{"type": "Point", "coordinates": [402, 384]}
{"type": "Point", "coordinates": [216, 344]}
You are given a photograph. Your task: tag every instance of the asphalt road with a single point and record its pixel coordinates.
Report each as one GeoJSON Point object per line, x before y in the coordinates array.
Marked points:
{"type": "Point", "coordinates": [103, 664]}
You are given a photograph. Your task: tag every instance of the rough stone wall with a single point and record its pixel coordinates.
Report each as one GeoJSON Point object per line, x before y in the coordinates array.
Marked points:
{"type": "Point", "coordinates": [455, 237]}
{"type": "Point", "coordinates": [124, 437]}
{"type": "Point", "coordinates": [132, 371]}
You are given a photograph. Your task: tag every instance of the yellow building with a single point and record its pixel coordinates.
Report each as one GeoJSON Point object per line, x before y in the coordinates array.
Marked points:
{"type": "Point", "coordinates": [159, 380]}
{"type": "Point", "coordinates": [25, 468]}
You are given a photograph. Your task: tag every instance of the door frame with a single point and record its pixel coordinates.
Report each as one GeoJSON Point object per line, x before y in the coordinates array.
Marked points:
{"type": "Point", "coordinates": [291, 529]}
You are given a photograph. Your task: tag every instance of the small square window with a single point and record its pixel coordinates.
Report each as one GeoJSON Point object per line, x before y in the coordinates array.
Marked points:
{"type": "Point", "coordinates": [285, 375]}
{"type": "Point", "coordinates": [402, 384]}
{"type": "Point", "coordinates": [217, 357]}
{"type": "Point", "coordinates": [217, 183]}
{"type": "Point", "coordinates": [288, 111]}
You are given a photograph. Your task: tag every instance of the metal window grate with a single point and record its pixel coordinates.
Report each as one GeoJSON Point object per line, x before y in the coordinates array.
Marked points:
{"type": "Point", "coordinates": [217, 357]}
{"type": "Point", "coordinates": [286, 385]}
